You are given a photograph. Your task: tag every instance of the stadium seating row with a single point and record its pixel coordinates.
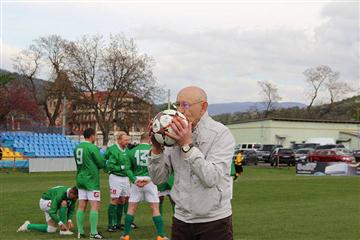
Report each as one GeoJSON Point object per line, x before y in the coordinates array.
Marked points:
{"type": "Point", "coordinates": [38, 144]}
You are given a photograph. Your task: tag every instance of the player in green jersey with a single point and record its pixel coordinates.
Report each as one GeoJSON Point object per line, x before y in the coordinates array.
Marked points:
{"type": "Point", "coordinates": [88, 162]}
{"type": "Point", "coordinates": [117, 158]}
{"type": "Point", "coordinates": [164, 190]}
{"type": "Point", "coordinates": [142, 188]}
{"type": "Point", "coordinates": [58, 204]}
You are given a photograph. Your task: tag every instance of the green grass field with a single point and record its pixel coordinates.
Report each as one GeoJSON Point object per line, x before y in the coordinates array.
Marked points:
{"type": "Point", "coordinates": [267, 204]}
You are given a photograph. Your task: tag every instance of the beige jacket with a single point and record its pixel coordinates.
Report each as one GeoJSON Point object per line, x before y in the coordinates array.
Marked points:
{"type": "Point", "coordinates": [202, 187]}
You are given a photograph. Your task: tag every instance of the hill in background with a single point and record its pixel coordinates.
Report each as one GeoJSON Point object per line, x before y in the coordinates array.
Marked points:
{"type": "Point", "coordinates": [221, 108]}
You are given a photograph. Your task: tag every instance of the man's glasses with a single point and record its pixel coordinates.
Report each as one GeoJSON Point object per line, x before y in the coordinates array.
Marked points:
{"type": "Point", "coordinates": [185, 105]}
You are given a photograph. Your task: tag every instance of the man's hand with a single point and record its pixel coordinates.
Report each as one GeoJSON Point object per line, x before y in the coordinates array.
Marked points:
{"type": "Point", "coordinates": [156, 147]}
{"type": "Point", "coordinates": [141, 183]}
{"type": "Point", "coordinates": [69, 225]}
{"type": "Point", "coordinates": [63, 227]}
{"type": "Point", "coordinates": [182, 131]}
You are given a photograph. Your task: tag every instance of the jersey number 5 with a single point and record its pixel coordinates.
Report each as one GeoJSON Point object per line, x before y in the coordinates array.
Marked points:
{"type": "Point", "coordinates": [79, 156]}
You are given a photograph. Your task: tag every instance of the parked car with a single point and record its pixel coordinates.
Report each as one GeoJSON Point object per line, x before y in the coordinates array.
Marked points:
{"type": "Point", "coordinates": [250, 157]}
{"type": "Point", "coordinates": [329, 146]}
{"type": "Point", "coordinates": [282, 155]}
{"type": "Point", "coordinates": [301, 155]}
{"type": "Point", "coordinates": [265, 150]}
{"type": "Point", "coordinates": [356, 154]}
{"type": "Point", "coordinates": [296, 146]}
{"type": "Point", "coordinates": [331, 155]}
{"type": "Point", "coordinates": [247, 146]}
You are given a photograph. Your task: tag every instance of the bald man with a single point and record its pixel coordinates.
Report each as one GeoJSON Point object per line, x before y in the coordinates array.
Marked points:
{"type": "Point", "coordinates": [201, 163]}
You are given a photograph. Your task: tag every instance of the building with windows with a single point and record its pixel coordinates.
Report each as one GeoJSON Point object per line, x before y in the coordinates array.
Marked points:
{"type": "Point", "coordinates": [286, 131]}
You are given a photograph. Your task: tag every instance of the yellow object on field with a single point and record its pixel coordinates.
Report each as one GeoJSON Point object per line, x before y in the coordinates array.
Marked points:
{"type": "Point", "coordinates": [8, 154]}
{"type": "Point", "coordinates": [239, 158]}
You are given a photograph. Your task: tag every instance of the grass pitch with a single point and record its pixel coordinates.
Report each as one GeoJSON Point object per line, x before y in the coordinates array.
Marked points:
{"type": "Point", "coordinates": [268, 203]}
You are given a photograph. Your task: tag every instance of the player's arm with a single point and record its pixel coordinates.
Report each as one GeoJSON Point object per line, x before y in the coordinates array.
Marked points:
{"type": "Point", "coordinates": [113, 165]}
{"type": "Point", "coordinates": [128, 168]}
{"type": "Point", "coordinates": [98, 158]}
{"type": "Point", "coordinates": [53, 210]}
{"type": "Point", "coordinates": [71, 210]}
{"type": "Point", "coordinates": [159, 167]}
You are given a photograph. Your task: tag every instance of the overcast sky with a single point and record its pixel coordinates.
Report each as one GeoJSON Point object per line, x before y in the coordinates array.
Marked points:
{"type": "Point", "coordinates": [224, 47]}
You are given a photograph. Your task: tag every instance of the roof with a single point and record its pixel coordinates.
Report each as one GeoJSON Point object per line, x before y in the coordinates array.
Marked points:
{"type": "Point", "coordinates": [299, 120]}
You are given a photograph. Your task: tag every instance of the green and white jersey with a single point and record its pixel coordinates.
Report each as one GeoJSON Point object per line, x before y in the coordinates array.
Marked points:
{"type": "Point", "coordinates": [117, 160]}
{"type": "Point", "coordinates": [88, 162]}
{"type": "Point", "coordinates": [138, 161]}
{"type": "Point", "coordinates": [57, 195]}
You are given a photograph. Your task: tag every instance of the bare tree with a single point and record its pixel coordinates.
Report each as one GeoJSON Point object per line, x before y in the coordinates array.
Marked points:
{"type": "Point", "coordinates": [316, 78]}
{"type": "Point", "coordinates": [336, 88]}
{"type": "Point", "coordinates": [270, 95]}
{"type": "Point", "coordinates": [108, 76]}
{"type": "Point", "coordinates": [49, 52]}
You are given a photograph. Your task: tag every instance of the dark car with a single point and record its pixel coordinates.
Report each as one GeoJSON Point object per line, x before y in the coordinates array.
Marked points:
{"type": "Point", "coordinates": [296, 146]}
{"type": "Point", "coordinates": [250, 157]}
{"type": "Point", "coordinates": [330, 155]}
{"type": "Point", "coordinates": [282, 155]}
{"type": "Point", "coordinates": [329, 146]}
{"type": "Point", "coordinates": [356, 154]}
{"type": "Point", "coordinates": [265, 150]}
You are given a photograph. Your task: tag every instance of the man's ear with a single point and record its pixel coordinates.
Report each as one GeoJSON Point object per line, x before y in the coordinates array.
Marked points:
{"type": "Point", "coordinates": [204, 106]}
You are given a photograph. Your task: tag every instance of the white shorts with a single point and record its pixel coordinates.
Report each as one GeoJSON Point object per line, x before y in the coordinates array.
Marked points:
{"type": "Point", "coordinates": [148, 193]}
{"type": "Point", "coordinates": [45, 207]}
{"type": "Point", "coordinates": [119, 186]}
{"type": "Point", "coordinates": [89, 195]}
{"type": "Point", "coordinates": [164, 193]}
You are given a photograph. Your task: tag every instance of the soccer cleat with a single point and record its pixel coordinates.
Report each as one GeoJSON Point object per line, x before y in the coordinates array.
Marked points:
{"type": "Point", "coordinates": [96, 236]}
{"type": "Point", "coordinates": [111, 229]}
{"type": "Point", "coordinates": [81, 235]}
{"type": "Point", "coordinates": [125, 237]}
{"type": "Point", "coordinates": [23, 228]}
{"type": "Point", "coordinates": [67, 232]}
{"type": "Point", "coordinates": [134, 226]}
{"type": "Point", "coordinates": [161, 238]}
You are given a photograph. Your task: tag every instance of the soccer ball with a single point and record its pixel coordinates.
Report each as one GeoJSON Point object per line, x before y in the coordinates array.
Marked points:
{"type": "Point", "coordinates": [161, 124]}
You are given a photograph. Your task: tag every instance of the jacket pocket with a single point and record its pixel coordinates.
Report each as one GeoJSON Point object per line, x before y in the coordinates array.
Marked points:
{"type": "Point", "coordinates": [206, 200]}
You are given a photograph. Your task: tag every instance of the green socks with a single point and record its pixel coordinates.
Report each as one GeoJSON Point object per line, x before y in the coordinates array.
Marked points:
{"type": "Point", "coordinates": [126, 205]}
{"type": "Point", "coordinates": [94, 216]}
{"type": "Point", "coordinates": [159, 224]}
{"type": "Point", "coordinates": [128, 221]}
{"type": "Point", "coordinates": [118, 215]}
{"type": "Point", "coordinates": [63, 214]}
{"type": "Point", "coordinates": [161, 208]}
{"type": "Point", "coordinates": [80, 221]}
{"type": "Point", "coordinates": [111, 214]}
{"type": "Point", "coordinates": [38, 227]}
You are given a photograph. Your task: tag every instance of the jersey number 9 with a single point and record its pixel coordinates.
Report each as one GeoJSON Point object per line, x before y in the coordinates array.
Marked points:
{"type": "Point", "coordinates": [79, 156]}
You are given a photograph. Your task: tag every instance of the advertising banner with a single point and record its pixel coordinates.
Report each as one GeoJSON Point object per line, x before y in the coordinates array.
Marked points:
{"type": "Point", "coordinates": [328, 168]}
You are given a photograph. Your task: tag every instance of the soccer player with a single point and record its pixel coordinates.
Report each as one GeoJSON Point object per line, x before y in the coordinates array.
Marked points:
{"type": "Point", "coordinates": [142, 188]}
{"type": "Point", "coordinates": [58, 204]}
{"type": "Point", "coordinates": [164, 190]}
{"type": "Point", "coordinates": [118, 180]}
{"type": "Point", "coordinates": [88, 162]}
{"type": "Point", "coordinates": [238, 164]}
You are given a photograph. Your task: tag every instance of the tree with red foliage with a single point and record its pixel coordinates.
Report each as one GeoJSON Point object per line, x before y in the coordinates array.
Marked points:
{"type": "Point", "coordinates": [15, 99]}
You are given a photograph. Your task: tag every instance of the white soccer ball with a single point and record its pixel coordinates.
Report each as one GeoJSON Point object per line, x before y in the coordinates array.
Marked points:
{"type": "Point", "coordinates": [161, 124]}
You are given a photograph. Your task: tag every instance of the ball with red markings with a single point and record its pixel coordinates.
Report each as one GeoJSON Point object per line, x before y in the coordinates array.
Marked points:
{"type": "Point", "coordinates": [161, 124]}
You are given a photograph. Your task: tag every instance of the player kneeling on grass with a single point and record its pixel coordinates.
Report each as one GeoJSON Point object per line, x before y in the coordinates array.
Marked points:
{"type": "Point", "coordinates": [142, 188]}
{"type": "Point", "coordinates": [58, 204]}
